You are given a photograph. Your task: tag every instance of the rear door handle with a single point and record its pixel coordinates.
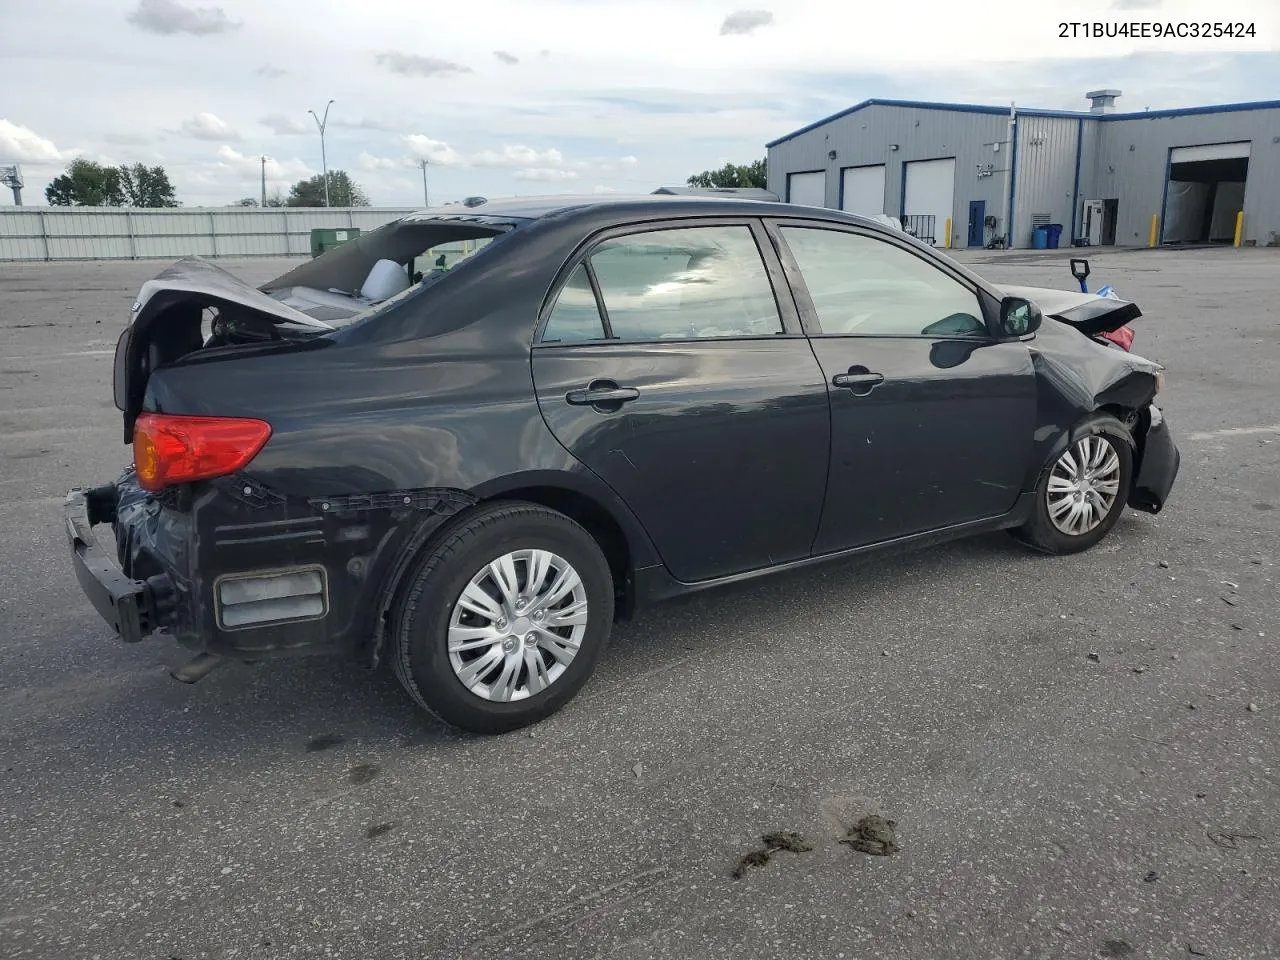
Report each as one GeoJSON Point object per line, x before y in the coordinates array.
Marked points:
{"type": "Point", "coordinates": [607, 395]}
{"type": "Point", "coordinates": [858, 379]}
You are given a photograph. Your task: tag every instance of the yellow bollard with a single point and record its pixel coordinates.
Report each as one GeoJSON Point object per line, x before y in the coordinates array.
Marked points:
{"type": "Point", "coordinates": [1239, 228]}
{"type": "Point", "coordinates": [1151, 240]}
{"type": "Point", "coordinates": [949, 234]}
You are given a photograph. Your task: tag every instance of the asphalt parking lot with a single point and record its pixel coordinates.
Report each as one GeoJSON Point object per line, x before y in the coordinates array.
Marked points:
{"type": "Point", "coordinates": [1048, 803]}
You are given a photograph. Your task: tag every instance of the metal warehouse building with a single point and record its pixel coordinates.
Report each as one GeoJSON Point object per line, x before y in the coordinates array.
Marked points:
{"type": "Point", "coordinates": [1128, 179]}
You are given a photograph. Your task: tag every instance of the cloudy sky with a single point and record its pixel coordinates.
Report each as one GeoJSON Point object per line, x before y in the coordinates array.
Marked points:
{"type": "Point", "coordinates": [509, 97]}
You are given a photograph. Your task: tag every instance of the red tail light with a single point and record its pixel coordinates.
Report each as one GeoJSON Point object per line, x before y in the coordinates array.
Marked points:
{"type": "Point", "coordinates": [169, 450]}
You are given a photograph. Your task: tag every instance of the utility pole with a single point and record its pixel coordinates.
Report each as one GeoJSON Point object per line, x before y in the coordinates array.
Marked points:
{"type": "Point", "coordinates": [263, 158]}
{"type": "Point", "coordinates": [426, 198]}
{"type": "Point", "coordinates": [324, 163]}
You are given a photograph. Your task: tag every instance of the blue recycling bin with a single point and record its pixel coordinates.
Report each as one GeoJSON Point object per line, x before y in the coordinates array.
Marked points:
{"type": "Point", "coordinates": [1040, 238]}
{"type": "Point", "coordinates": [1055, 233]}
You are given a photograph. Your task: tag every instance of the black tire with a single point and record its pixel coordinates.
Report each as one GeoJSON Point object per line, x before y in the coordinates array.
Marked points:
{"type": "Point", "coordinates": [1040, 532]}
{"type": "Point", "coordinates": [420, 625]}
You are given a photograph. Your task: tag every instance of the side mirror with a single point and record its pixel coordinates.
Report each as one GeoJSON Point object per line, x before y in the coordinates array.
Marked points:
{"type": "Point", "coordinates": [1019, 317]}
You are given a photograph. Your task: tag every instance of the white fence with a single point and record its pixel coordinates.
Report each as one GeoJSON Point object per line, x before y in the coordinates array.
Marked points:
{"type": "Point", "coordinates": [116, 233]}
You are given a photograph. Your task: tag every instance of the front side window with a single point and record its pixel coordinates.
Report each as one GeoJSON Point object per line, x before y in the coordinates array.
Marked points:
{"type": "Point", "coordinates": [861, 286]}
{"type": "Point", "coordinates": [677, 284]}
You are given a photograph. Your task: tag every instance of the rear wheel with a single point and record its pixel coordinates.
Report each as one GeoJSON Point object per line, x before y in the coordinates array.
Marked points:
{"type": "Point", "coordinates": [505, 619]}
{"type": "Point", "coordinates": [1083, 492]}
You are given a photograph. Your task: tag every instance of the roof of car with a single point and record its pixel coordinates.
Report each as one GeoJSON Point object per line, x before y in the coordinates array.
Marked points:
{"type": "Point", "coordinates": [534, 208]}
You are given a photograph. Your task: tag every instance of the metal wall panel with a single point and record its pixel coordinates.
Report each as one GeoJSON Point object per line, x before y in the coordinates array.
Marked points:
{"type": "Point", "coordinates": [1046, 174]}
{"type": "Point", "coordinates": [99, 233]}
{"type": "Point", "coordinates": [21, 248]}
{"type": "Point", "coordinates": [919, 133]}
{"type": "Point", "coordinates": [85, 248]}
{"type": "Point", "coordinates": [1133, 156]}
{"type": "Point", "coordinates": [21, 223]}
{"type": "Point", "coordinates": [174, 248]}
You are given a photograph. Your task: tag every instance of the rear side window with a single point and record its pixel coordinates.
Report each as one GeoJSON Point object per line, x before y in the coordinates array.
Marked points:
{"type": "Point", "coordinates": [678, 284]}
{"type": "Point", "coordinates": [575, 317]}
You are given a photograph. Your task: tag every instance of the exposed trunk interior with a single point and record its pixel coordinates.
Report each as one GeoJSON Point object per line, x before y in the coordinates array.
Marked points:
{"type": "Point", "coordinates": [194, 309]}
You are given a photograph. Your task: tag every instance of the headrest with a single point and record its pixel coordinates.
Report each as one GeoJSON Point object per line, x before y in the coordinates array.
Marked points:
{"type": "Point", "coordinates": [385, 280]}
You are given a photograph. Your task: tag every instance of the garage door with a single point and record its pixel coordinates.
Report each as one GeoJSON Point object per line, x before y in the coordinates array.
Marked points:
{"type": "Point", "coordinates": [862, 190]}
{"type": "Point", "coordinates": [809, 189]}
{"type": "Point", "coordinates": [1210, 151]}
{"type": "Point", "coordinates": [930, 192]}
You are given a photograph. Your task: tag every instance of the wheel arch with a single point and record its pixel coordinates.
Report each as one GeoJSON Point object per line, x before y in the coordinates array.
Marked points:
{"type": "Point", "coordinates": [586, 501]}
{"type": "Point", "coordinates": [1125, 414]}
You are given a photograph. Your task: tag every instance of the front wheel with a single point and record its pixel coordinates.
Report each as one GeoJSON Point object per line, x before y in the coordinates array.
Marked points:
{"type": "Point", "coordinates": [505, 619]}
{"type": "Point", "coordinates": [1083, 492]}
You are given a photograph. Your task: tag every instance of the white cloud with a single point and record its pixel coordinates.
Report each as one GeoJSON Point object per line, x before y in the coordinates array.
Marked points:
{"type": "Point", "coordinates": [24, 145]}
{"type": "Point", "coordinates": [208, 126]}
{"type": "Point", "coordinates": [517, 155]}
{"type": "Point", "coordinates": [232, 160]}
{"type": "Point", "coordinates": [435, 152]}
{"type": "Point", "coordinates": [127, 139]}
{"type": "Point", "coordinates": [168, 17]}
{"type": "Point", "coordinates": [414, 65]}
{"type": "Point", "coordinates": [367, 123]}
{"type": "Point", "coordinates": [546, 174]}
{"type": "Point", "coordinates": [745, 21]}
{"type": "Point", "coordinates": [284, 126]}
{"type": "Point", "coordinates": [367, 161]}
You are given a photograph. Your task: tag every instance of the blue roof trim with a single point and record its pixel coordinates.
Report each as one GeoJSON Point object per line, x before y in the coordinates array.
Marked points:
{"type": "Point", "coordinates": [1028, 112]}
{"type": "Point", "coordinates": [1196, 111]}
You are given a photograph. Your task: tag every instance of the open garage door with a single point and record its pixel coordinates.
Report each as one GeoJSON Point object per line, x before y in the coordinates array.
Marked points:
{"type": "Point", "coordinates": [809, 189]}
{"type": "Point", "coordinates": [1205, 192]}
{"type": "Point", "coordinates": [929, 198]}
{"type": "Point", "coordinates": [862, 190]}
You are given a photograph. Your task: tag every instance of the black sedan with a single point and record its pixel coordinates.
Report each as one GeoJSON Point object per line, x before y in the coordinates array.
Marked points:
{"type": "Point", "coordinates": [467, 442]}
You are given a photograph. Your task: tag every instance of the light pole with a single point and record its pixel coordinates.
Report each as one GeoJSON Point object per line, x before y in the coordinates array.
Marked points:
{"type": "Point", "coordinates": [426, 200]}
{"type": "Point", "coordinates": [264, 159]}
{"type": "Point", "coordinates": [324, 164]}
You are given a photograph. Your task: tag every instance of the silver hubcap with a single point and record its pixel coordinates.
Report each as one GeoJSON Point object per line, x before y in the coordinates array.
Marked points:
{"type": "Point", "coordinates": [1084, 485]}
{"type": "Point", "coordinates": [517, 625]}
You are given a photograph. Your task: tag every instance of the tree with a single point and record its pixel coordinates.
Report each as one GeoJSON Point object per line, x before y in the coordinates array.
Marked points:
{"type": "Point", "coordinates": [733, 175]}
{"type": "Point", "coordinates": [244, 202]}
{"type": "Point", "coordinates": [144, 186]}
{"type": "Point", "coordinates": [86, 184]}
{"type": "Point", "coordinates": [343, 191]}
{"type": "Point", "coordinates": [90, 184]}
{"type": "Point", "coordinates": [275, 199]}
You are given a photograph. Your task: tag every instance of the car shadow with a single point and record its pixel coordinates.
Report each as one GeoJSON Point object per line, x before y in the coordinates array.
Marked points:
{"type": "Point", "coordinates": [249, 717]}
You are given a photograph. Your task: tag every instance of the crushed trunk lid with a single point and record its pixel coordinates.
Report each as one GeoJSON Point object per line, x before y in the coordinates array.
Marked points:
{"type": "Point", "coordinates": [166, 323]}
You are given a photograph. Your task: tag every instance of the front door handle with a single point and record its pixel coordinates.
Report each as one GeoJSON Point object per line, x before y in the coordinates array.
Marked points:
{"type": "Point", "coordinates": [603, 395]}
{"type": "Point", "coordinates": [859, 379]}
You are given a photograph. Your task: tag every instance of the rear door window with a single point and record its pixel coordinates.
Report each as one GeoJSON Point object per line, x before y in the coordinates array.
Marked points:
{"type": "Point", "coordinates": [685, 283]}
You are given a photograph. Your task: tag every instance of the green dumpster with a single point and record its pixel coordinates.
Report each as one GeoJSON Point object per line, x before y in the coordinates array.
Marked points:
{"type": "Point", "coordinates": [324, 239]}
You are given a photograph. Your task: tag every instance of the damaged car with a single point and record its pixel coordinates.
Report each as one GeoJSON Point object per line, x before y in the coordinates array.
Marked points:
{"type": "Point", "coordinates": [472, 472]}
